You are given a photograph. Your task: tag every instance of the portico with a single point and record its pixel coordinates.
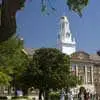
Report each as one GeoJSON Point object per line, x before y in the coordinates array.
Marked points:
{"type": "Point", "coordinates": [84, 66]}
{"type": "Point", "coordinates": [85, 73]}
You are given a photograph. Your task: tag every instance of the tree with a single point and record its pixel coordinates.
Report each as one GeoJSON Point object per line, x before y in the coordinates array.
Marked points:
{"type": "Point", "coordinates": [49, 69]}
{"type": "Point", "coordinates": [4, 79]}
{"type": "Point", "coordinates": [12, 60]}
{"type": "Point", "coordinates": [74, 5]}
{"type": "Point", "coordinates": [8, 13]}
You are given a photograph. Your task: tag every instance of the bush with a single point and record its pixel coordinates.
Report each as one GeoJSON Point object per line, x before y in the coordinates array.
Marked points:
{"type": "Point", "coordinates": [19, 97]}
{"type": "Point", "coordinates": [54, 96]}
{"type": "Point", "coordinates": [3, 98]}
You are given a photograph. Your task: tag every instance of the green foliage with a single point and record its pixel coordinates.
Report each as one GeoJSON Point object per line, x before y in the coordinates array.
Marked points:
{"type": "Point", "coordinates": [74, 5]}
{"type": "Point", "coordinates": [4, 79]}
{"type": "Point", "coordinates": [8, 13]}
{"type": "Point", "coordinates": [50, 67]}
{"type": "Point", "coordinates": [46, 6]}
{"type": "Point", "coordinates": [9, 51]}
{"type": "Point", "coordinates": [54, 96]}
{"type": "Point", "coordinates": [73, 81]}
{"type": "Point", "coordinates": [12, 59]}
{"type": "Point", "coordinates": [19, 97]}
{"type": "Point", "coordinates": [77, 5]}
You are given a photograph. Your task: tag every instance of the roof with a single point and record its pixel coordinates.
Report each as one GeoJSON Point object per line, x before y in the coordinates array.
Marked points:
{"type": "Point", "coordinates": [30, 51]}
{"type": "Point", "coordinates": [78, 54]}
{"type": "Point", "coordinates": [94, 57]}
{"type": "Point", "coordinates": [81, 55]}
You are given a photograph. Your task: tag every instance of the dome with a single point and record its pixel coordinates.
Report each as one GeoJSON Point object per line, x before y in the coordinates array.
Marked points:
{"type": "Point", "coordinates": [64, 18]}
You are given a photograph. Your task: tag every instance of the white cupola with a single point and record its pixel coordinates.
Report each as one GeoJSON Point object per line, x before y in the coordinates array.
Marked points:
{"type": "Point", "coordinates": [66, 43]}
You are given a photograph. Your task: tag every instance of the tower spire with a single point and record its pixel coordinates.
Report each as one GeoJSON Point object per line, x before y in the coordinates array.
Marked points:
{"type": "Point", "coordinates": [66, 42]}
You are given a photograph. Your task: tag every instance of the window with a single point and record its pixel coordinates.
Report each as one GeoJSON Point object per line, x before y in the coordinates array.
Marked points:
{"type": "Point", "coordinates": [67, 35]}
{"type": "Point", "coordinates": [62, 26]}
{"type": "Point", "coordinates": [81, 77]}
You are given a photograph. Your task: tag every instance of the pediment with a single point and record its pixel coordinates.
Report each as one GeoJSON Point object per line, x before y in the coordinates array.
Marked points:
{"type": "Point", "coordinates": [80, 55]}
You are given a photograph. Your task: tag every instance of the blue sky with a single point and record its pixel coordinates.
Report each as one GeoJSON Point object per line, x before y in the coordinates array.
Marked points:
{"type": "Point", "coordinates": [41, 31]}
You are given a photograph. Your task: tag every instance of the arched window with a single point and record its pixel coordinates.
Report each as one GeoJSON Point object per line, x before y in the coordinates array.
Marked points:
{"type": "Point", "coordinates": [67, 35]}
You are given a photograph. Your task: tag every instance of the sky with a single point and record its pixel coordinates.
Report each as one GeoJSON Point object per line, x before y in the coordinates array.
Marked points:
{"type": "Point", "coordinates": [40, 30]}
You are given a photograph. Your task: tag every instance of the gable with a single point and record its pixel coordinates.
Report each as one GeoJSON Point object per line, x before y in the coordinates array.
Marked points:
{"type": "Point", "coordinates": [80, 55]}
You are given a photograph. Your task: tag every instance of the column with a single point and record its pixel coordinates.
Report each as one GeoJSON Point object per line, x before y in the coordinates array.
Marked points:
{"type": "Point", "coordinates": [85, 74]}
{"type": "Point", "coordinates": [76, 69]}
{"type": "Point", "coordinates": [92, 74]}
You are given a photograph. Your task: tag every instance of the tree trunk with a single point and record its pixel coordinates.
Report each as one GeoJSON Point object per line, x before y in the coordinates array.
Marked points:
{"type": "Point", "coordinates": [46, 96]}
{"type": "Point", "coordinates": [40, 94]}
{"type": "Point", "coordinates": [8, 18]}
{"type": "Point", "coordinates": [25, 91]}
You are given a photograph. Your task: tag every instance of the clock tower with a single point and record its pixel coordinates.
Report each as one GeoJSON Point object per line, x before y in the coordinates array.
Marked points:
{"type": "Point", "coordinates": [66, 43]}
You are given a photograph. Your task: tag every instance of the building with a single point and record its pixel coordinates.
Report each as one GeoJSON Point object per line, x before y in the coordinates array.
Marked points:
{"type": "Point", "coordinates": [85, 66]}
